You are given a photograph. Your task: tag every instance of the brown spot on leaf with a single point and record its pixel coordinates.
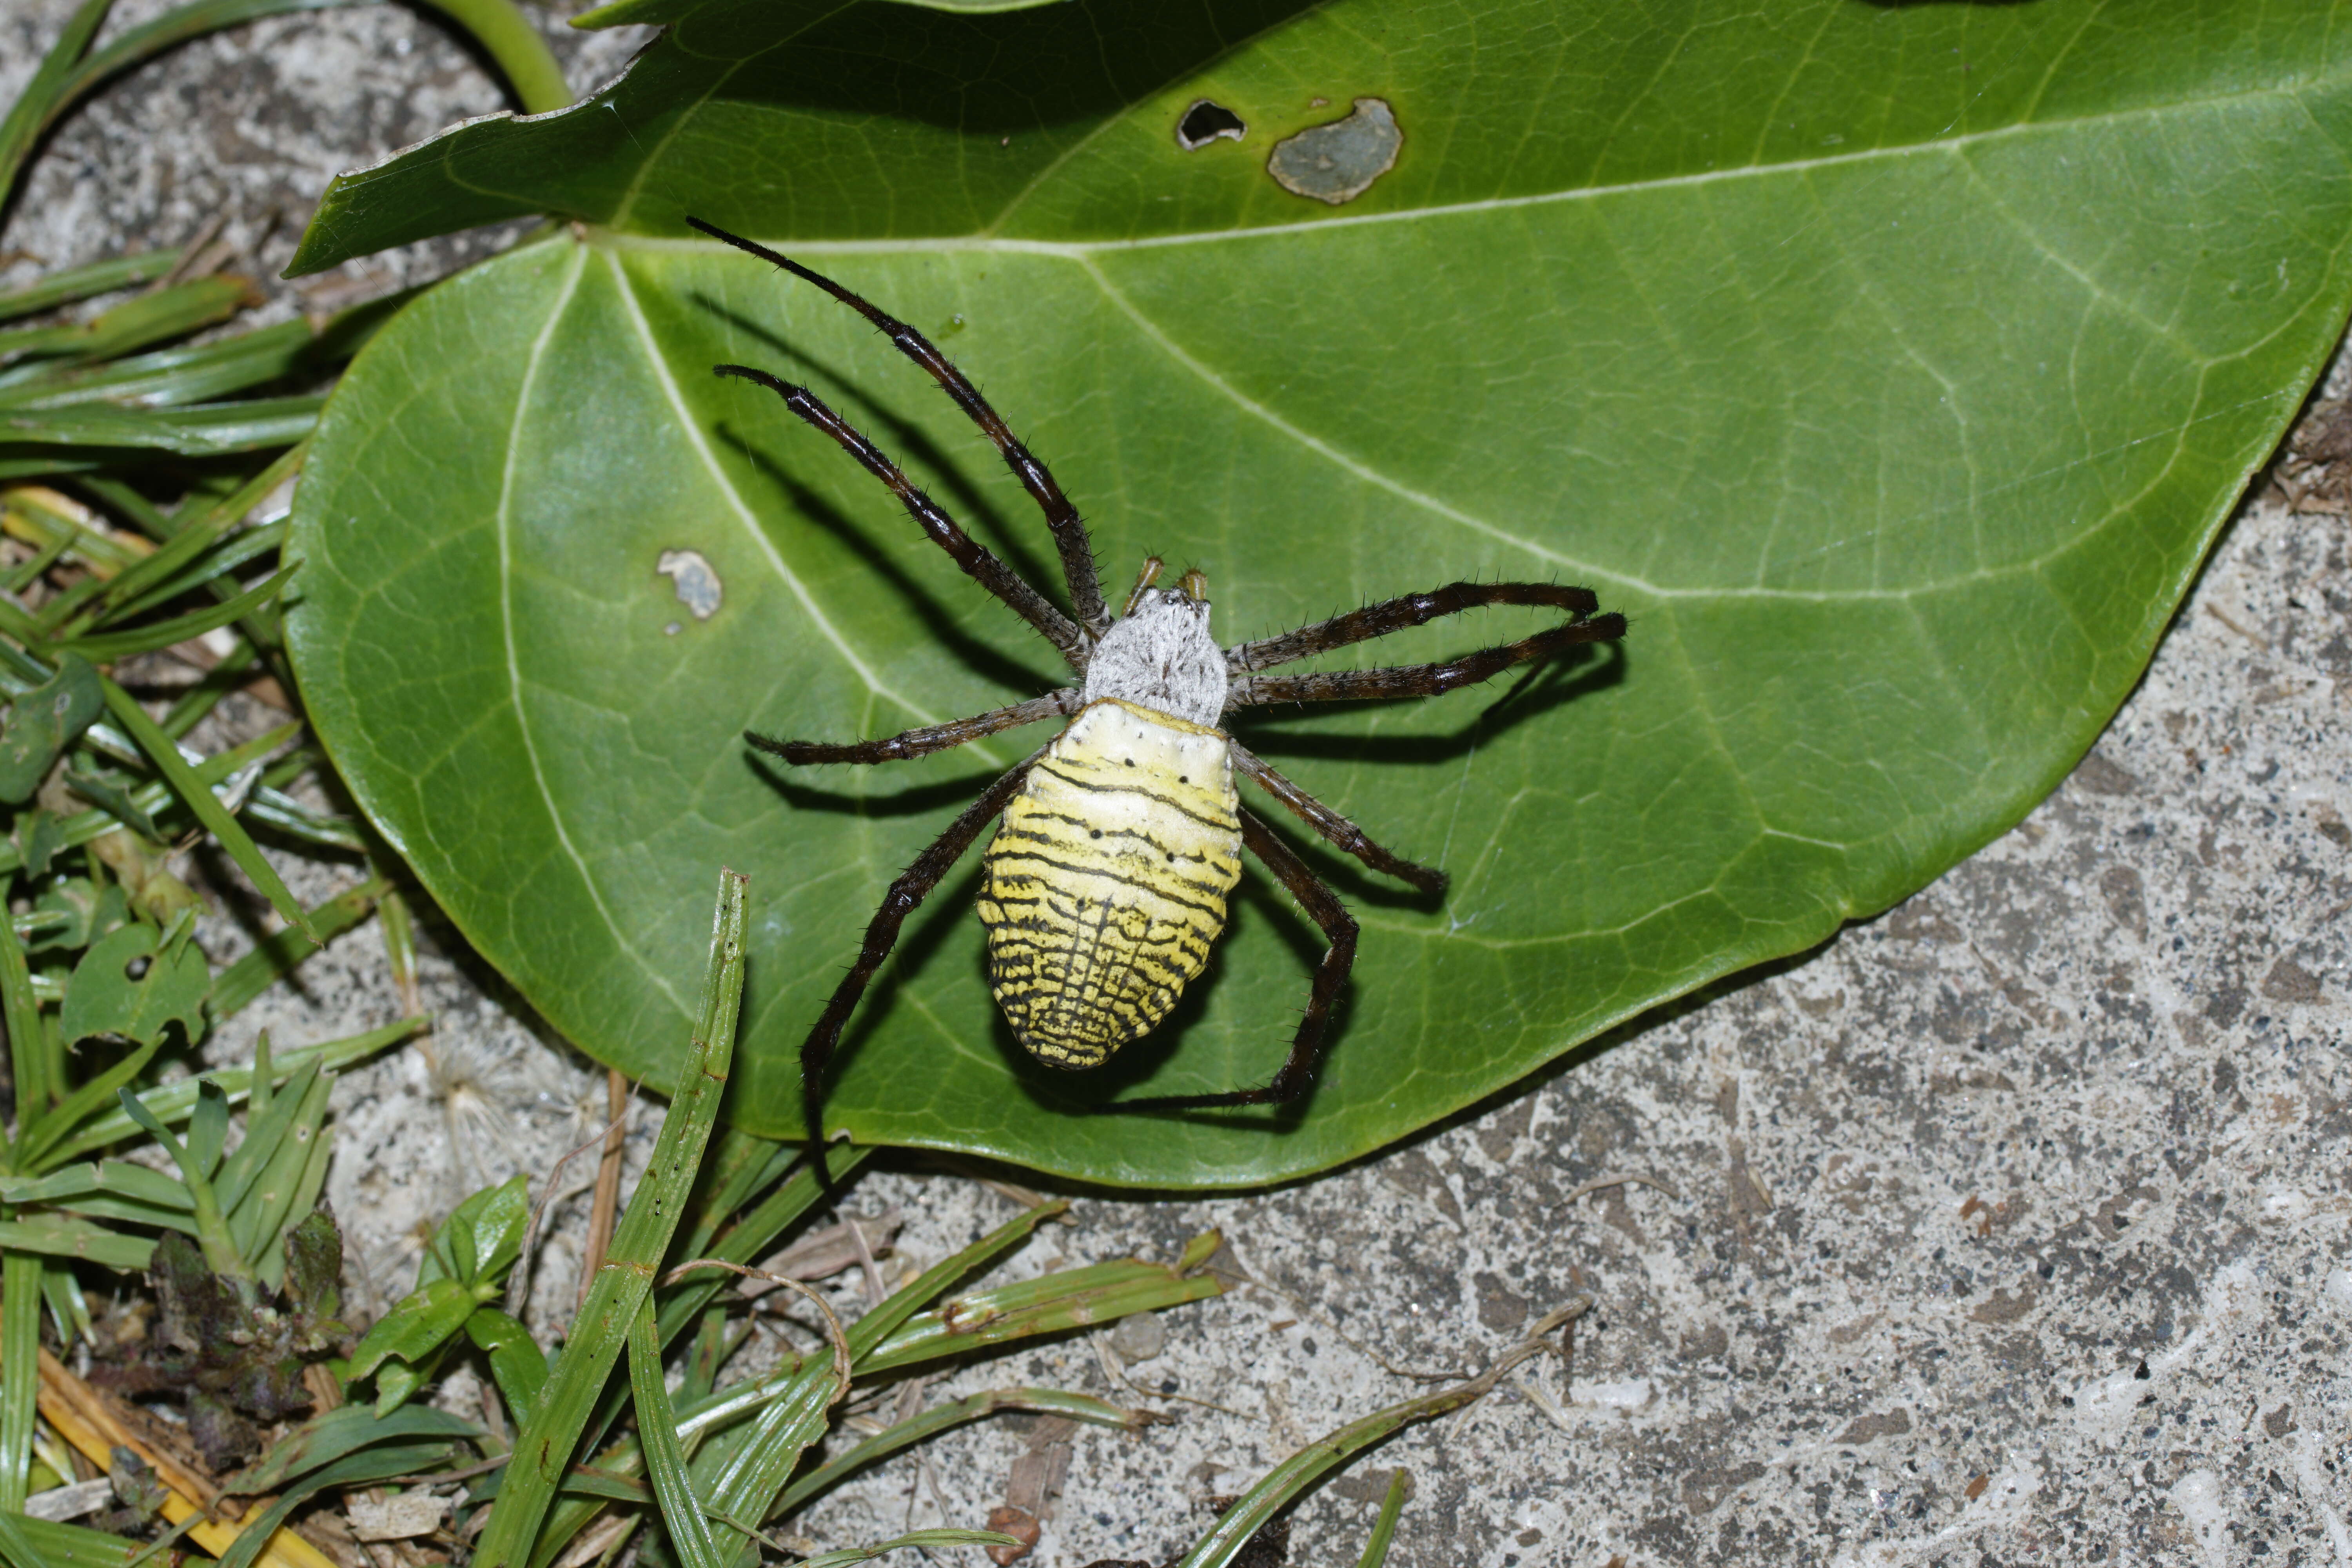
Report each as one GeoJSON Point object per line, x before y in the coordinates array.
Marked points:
{"type": "Point", "coordinates": [1338, 161]}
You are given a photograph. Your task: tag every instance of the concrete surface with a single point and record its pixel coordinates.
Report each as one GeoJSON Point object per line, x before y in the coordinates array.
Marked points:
{"type": "Point", "coordinates": [2011, 1226]}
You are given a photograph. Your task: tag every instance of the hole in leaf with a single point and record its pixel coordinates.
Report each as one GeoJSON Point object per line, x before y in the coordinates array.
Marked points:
{"type": "Point", "coordinates": [1204, 122]}
{"type": "Point", "coordinates": [137, 968]}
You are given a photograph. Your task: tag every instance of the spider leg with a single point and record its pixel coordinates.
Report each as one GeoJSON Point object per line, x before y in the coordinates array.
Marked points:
{"type": "Point", "coordinates": [978, 562]}
{"type": "Point", "coordinates": [1061, 518]}
{"type": "Point", "coordinates": [920, 743]}
{"type": "Point", "coordinates": [1335, 828]}
{"type": "Point", "coordinates": [1420, 679]}
{"type": "Point", "coordinates": [1306, 1047]}
{"type": "Point", "coordinates": [913, 886]}
{"type": "Point", "coordinates": [1395, 615]}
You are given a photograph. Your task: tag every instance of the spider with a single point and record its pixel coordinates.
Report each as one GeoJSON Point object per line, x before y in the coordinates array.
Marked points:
{"type": "Point", "coordinates": [1107, 884]}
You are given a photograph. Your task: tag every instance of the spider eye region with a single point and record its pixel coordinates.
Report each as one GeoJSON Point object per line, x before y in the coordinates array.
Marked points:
{"type": "Point", "coordinates": [1161, 657]}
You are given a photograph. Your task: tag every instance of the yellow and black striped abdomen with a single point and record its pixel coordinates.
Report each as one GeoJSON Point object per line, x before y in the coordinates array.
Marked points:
{"type": "Point", "coordinates": [1106, 886]}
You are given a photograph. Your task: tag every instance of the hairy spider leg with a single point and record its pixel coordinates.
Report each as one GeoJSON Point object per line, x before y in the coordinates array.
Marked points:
{"type": "Point", "coordinates": [1396, 615]}
{"type": "Point", "coordinates": [1335, 828]}
{"type": "Point", "coordinates": [977, 562]}
{"type": "Point", "coordinates": [913, 886]}
{"type": "Point", "coordinates": [921, 742]}
{"type": "Point", "coordinates": [1307, 1046]}
{"type": "Point", "coordinates": [1070, 538]}
{"type": "Point", "coordinates": [1420, 679]}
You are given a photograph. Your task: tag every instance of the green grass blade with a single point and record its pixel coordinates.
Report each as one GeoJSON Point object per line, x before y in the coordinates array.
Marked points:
{"type": "Point", "coordinates": [199, 430]}
{"type": "Point", "coordinates": [139, 321]}
{"type": "Point", "coordinates": [23, 126]}
{"type": "Point", "coordinates": [1103, 1293]}
{"type": "Point", "coordinates": [93, 1095]}
{"type": "Point", "coordinates": [170, 1103]}
{"type": "Point", "coordinates": [923, 1539]}
{"type": "Point", "coordinates": [943, 1418]}
{"type": "Point", "coordinates": [23, 1015]}
{"type": "Point", "coordinates": [104, 647]}
{"type": "Point", "coordinates": [334, 1435]}
{"type": "Point", "coordinates": [15, 1543]}
{"type": "Point", "coordinates": [269, 1161]}
{"type": "Point", "coordinates": [172, 377]}
{"type": "Point", "coordinates": [200, 535]}
{"type": "Point", "coordinates": [267, 807]}
{"type": "Point", "coordinates": [163, 754]}
{"type": "Point", "coordinates": [119, 1178]}
{"type": "Point", "coordinates": [1287, 1481]}
{"type": "Point", "coordinates": [122, 1211]}
{"type": "Point", "coordinates": [191, 1156]}
{"type": "Point", "coordinates": [377, 1463]}
{"type": "Point", "coordinates": [508, 37]}
{"type": "Point", "coordinates": [82, 282]}
{"type": "Point", "coordinates": [215, 567]}
{"type": "Point", "coordinates": [689, 1531]}
{"type": "Point", "coordinates": [275, 955]}
{"type": "Point", "coordinates": [172, 29]}
{"type": "Point", "coordinates": [60, 1235]}
{"type": "Point", "coordinates": [743, 1477]}
{"type": "Point", "coordinates": [748, 1237]}
{"type": "Point", "coordinates": [151, 798]}
{"type": "Point", "coordinates": [269, 1265]}
{"type": "Point", "coordinates": [74, 1546]}
{"type": "Point", "coordinates": [903, 1303]}
{"type": "Point", "coordinates": [20, 1345]}
{"type": "Point", "coordinates": [544, 1447]}
{"type": "Point", "coordinates": [1376, 1550]}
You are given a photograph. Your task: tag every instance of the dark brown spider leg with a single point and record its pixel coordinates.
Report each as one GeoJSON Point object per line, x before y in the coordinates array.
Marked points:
{"type": "Point", "coordinates": [1420, 679]}
{"type": "Point", "coordinates": [921, 742]}
{"type": "Point", "coordinates": [1061, 518]}
{"type": "Point", "coordinates": [1306, 1046]}
{"type": "Point", "coordinates": [1334, 827]}
{"type": "Point", "coordinates": [978, 562]}
{"type": "Point", "coordinates": [1395, 615]}
{"type": "Point", "coordinates": [913, 886]}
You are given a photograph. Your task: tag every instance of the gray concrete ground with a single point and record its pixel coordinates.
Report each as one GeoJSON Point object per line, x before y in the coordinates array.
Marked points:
{"type": "Point", "coordinates": [2011, 1226]}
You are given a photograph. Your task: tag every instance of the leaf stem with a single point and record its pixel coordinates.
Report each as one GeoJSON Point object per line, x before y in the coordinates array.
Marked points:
{"type": "Point", "coordinates": [508, 37]}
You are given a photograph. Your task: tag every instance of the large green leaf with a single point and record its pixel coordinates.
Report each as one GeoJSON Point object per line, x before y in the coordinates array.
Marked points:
{"type": "Point", "coordinates": [1891, 367]}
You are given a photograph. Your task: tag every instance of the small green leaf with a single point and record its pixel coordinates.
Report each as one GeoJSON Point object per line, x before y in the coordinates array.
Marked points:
{"type": "Point", "coordinates": [107, 998]}
{"type": "Point", "coordinates": [43, 722]}
{"type": "Point", "coordinates": [115, 802]}
{"type": "Point", "coordinates": [516, 1361]}
{"type": "Point", "coordinates": [336, 1434]}
{"type": "Point", "coordinates": [418, 1325]}
{"type": "Point", "coordinates": [479, 1239]}
{"type": "Point", "coordinates": [90, 909]}
{"type": "Point", "coordinates": [208, 1131]}
{"type": "Point", "coordinates": [38, 835]}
